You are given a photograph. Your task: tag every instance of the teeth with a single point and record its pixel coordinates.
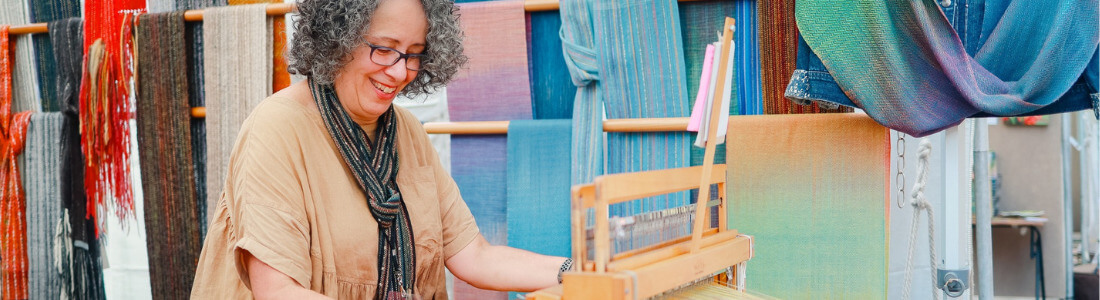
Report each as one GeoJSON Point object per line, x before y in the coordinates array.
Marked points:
{"type": "Point", "coordinates": [384, 89]}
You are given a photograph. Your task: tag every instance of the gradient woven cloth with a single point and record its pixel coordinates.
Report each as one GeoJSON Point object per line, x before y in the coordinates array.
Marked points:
{"type": "Point", "coordinates": [813, 189]}
{"type": "Point", "coordinates": [42, 180]}
{"type": "Point", "coordinates": [24, 82]}
{"type": "Point", "coordinates": [494, 86]}
{"type": "Point", "coordinates": [237, 74]}
{"type": "Point", "coordinates": [905, 65]}
{"type": "Point", "coordinates": [45, 11]}
{"type": "Point", "coordinates": [172, 224]}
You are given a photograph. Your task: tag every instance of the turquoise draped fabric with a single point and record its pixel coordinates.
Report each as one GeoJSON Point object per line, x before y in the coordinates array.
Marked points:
{"type": "Point", "coordinates": [578, 45]}
{"type": "Point", "coordinates": [904, 64]}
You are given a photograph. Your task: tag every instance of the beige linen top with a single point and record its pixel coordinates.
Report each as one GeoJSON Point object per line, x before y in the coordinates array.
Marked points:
{"type": "Point", "coordinates": [291, 202]}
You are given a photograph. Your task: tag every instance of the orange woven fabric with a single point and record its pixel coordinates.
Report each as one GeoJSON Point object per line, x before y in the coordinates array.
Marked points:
{"type": "Point", "coordinates": [13, 223]}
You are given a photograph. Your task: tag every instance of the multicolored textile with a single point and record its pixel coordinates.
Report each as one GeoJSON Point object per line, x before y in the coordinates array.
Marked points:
{"type": "Point", "coordinates": [171, 211]}
{"type": "Point", "coordinates": [816, 202]}
{"type": "Point", "coordinates": [374, 164]}
{"type": "Point", "coordinates": [494, 86]}
{"type": "Point", "coordinates": [910, 69]}
{"type": "Point", "coordinates": [701, 23]}
{"type": "Point", "coordinates": [778, 49]}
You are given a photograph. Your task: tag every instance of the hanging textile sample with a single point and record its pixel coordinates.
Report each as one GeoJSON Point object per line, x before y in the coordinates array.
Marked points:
{"type": "Point", "coordinates": [25, 94]}
{"type": "Point", "coordinates": [551, 90]}
{"type": "Point", "coordinates": [823, 186]}
{"type": "Point", "coordinates": [280, 78]}
{"type": "Point", "coordinates": [105, 104]}
{"type": "Point", "coordinates": [195, 85]}
{"type": "Point", "coordinates": [13, 227]}
{"type": "Point", "coordinates": [641, 65]}
{"type": "Point", "coordinates": [234, 82]}
{"type": "Point", "coordinates": [45, 11]}
{"type": "Point", "coordinates": [493, 87]}
{"type": "Point", "coordinates": [699, 23]}
{"type": "Point", "coordinates": [172, 222]}
{"type": "Point", "coordinates": [42, 182]}
{"type": "Point", "coordinates": [578, 43]}
{"type": "Point", "coordinates": [778, 49]}
{"type": "Point", "coordinates": [82, 277]}
{"type": "Point", "coordinates": [912, 70]}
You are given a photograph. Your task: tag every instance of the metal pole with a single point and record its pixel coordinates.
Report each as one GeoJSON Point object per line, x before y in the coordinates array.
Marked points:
{"type": "Point", "coordinates": [1067, 205]}
{"type": "Point", "coordinates": [984, 210]}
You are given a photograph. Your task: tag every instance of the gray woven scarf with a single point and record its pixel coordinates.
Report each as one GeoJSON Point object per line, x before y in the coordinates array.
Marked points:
{"type": "Point", "coordinates": [375, 168]}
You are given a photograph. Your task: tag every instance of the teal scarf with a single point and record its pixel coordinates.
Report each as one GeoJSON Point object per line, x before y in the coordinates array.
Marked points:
{"type": "Point", "coordinates": [375, 168]}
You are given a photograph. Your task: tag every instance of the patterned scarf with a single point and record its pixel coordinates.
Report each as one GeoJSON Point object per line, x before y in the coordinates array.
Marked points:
{"type": "Point", "coordinates": [375, 168]}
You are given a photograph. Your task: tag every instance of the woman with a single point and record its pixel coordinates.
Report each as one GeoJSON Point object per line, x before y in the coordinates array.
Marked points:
{"type": "Point", "coordinates": [332, 191]}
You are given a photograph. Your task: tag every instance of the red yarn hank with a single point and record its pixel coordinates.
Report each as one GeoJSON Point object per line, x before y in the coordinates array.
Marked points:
{"type": "Point", "coordinates": [13, 205]}
{"type": "Point", "coordinates": [105, 106]}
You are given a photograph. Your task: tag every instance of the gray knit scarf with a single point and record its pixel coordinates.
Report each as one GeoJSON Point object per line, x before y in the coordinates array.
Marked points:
{"type": "Point", "coordinates": [375, 168]}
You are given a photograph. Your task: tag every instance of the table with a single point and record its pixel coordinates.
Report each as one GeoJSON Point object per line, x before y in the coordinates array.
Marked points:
{"type": "Point", "coordinates": [1036, 250]}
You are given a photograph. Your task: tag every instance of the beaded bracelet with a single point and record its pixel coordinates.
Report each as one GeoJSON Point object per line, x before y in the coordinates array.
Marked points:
{"type": "Point", "coordinates": [565, 266]}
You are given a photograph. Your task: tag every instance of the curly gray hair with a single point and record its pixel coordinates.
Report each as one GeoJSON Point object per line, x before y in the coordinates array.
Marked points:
{"type": "Point", "coordinates": [323, 44]}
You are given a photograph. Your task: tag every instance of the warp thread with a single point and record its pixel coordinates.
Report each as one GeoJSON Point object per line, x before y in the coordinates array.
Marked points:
{"type": "Point", "coordinates": [105, 105]}
{"type": "Point", "coordinates": [42, 180]}
{"type": "Point", "coordinates": [171, 210]}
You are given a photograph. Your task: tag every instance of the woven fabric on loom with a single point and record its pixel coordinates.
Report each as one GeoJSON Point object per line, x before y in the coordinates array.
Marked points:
{"type": "Point", "coordinates": [699, 22]}
{"type": "Point", "coordinates": [67, 38]}
{"type": "Point", "coordinates": [641, 67]}
{"type": "Point", "coordinates": [25, 92]}
{"type": "Point", "coordinates": [778, 49]}
{"type": "Point", "coordinates": [813, 190]}
{"type": "Point", "coordinates": [42, 181]}
{"type": "Point", "coordinates": [45, 11]}
{"type": "Point", "coordinates": [237, 76]}
{"type": "Point", "coordinates": [280, 77]}
{"type": "Point", "coordinates": [495, 86]}
{"type": "Point", "coordinates": [172, 222]}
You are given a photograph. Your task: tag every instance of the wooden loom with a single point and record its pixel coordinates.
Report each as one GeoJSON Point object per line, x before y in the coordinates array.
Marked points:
{"type": "Point", "coordinates": [666, 266]}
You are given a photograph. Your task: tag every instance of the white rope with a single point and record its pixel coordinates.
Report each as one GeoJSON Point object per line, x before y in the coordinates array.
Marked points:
{"type": "Point", "coordinates": [920, 203]}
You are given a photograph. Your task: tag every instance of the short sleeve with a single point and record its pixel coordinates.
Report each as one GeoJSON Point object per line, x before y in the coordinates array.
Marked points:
{"type": "Point", "coordinates": [266, 198]}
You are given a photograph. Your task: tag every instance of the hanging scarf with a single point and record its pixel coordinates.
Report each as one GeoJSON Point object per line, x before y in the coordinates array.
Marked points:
{"type": "Point", "coordinates": [105, 104]}
{"type": "Point", "coordinates": [375, 168]}
{"type": "Point", "coordinates": [13, 228]}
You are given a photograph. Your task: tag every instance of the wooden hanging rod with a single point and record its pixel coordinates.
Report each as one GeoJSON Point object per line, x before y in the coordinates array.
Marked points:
{"type": "Point", "coordinates": [274, 9]}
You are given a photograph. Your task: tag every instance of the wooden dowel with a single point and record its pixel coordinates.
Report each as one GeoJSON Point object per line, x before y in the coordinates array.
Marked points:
{"type": "Point", "coordinates": [28, 29]}
{"type": "Point", "coordinates": [198, 112]}
{"type": "Point", "coordinates": [478, 127]}
{"type": "Point", "coordinates": [274, 9]}
{"type": "Point", "coordinates": [614, 125]}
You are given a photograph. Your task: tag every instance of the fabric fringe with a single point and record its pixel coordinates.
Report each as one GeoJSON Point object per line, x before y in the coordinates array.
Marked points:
{"type": "Point", "coordinates": [84, 276]}
{"type": "Point", "coordinates": [45, 11]}
{"type": "Point", "coordinates": [236, 82]}
{"type": "Point", "coordinates": [105, 103]}
{"type": "Point", "coordinates": [172, 223]}
{"type": "Point", "coordinates": [42, 180]}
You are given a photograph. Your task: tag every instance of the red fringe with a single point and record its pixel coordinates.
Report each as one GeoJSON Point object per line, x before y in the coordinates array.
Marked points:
{"type": "Point", "coordinates": [105, 104]}
{"type": "Point", "coordinates": [13, 204]}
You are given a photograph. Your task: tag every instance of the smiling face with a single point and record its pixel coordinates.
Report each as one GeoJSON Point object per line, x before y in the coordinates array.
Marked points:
{"type": "Point", "coordinates": [366, 89]}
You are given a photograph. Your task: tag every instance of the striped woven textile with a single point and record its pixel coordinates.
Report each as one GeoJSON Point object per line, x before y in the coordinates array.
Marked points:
{"type": "Point", "coordinates": [778, 49]}
{"type": "Point", "coordinates": [45, 11]}
{"type": "Point", "coordinates": [13, 227]}
{"type": "Point", "coordinates": [237, 76]}
{"type": "Point", "coordinates": [25, 92]}
{"type": "Point", "coordinates": [749, 98]}
{"type": "Point", "coordinates": [642, 75]}
{"type": "Point", "coordinates": [816, 200]}
{"type": "Point", "coordinates": [905, 65]}
{"type": "Point", "coordinates": [172, 222]}
{"type": "Point", "coordinates": [578, 48]}
{"type": "Point", "coordinates": [195, 84]}
{"type": "Point", "coordinates": [42, 181]}
{"type": "Point", "coordinates": [494, 86]}
{"type": "Point", "coordinates": [280, 78]}
{"type": "Point", "coordinates": [699, 22]}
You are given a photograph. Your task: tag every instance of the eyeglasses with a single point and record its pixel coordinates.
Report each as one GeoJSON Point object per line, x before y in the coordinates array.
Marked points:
{"type": "Point", "coordinates": [387, 56]}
